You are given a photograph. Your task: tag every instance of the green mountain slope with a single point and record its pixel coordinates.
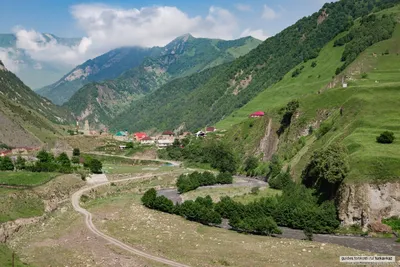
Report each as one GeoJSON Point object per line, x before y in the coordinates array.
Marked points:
{"type": "Point", "coordinates": [186, 55]}
{"type": "Point", "coordinates": [34, 73]}
{"type": "Point", "coordinates": [369, 107]}
{"type": "Point", "coordinates": [106, 66]}
{"type": "Point", "coordinates": [26, 119]}
{"type": "Point", "coordinates": [235, 84]}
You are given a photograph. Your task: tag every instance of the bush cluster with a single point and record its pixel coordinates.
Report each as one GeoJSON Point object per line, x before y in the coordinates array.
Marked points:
{"type": "Point", "coordinates": [201, 210]}
{"type": "Point", "coordinates": [186, 183]}
{"type": "Point", "coordinates": [385, 138]}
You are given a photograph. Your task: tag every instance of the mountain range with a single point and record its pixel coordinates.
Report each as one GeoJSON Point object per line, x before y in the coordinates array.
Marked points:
{"type": "Point", "coordinates": [34, 73]}
{"type": "Point", "coordinates": [100, 102]}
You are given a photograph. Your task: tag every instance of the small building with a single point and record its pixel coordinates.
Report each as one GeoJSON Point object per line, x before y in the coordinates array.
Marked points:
{"type": "Point", "coordinates": [257, 114]}
{"type": "Point", "coordinates": [344, 85]}
{"type": "Point", "coordinates": [147, 141]}
{"type": "Point", "coordinates": [163, 143]}
{"type": "Point", "coordinates": [121, 136]}
{"type": "Point", "coordinates": [139, 136]}
{"type": "Point", "coordinates": [122, 147]}
{"type": "Point", "coordinates": [168, 133]}
{"type": "Point", "coordinates": [210, 129]}
{"type": "Point", "coordinates": [5, 153]}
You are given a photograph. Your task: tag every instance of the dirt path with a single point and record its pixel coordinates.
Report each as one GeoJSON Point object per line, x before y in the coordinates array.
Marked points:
{"type": "Point", "coordinates": [75, 199]}
{"type": "Point", "coordinates": [174, 163]}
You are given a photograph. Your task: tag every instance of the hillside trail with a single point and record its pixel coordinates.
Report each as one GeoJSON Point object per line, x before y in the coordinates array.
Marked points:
{"type": "Point", "coordinates": [75, 199]}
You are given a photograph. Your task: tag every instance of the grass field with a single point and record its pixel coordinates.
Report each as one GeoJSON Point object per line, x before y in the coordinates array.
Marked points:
{"type": "Point", "coordinates": [6, 258]}
{"type": "Point", "coordinates": [241, 193]}
{"type": "Point", "coordinates": [26, 178]}
{"type": "Point", "coordinates": [125, 169]}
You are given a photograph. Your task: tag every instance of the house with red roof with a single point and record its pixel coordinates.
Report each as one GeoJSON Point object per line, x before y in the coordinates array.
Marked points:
{"type": "Point", "coordinates": [210, 129]}
{"type": "Point", "coordinates": [5, 153]}
{"type": "Point", "coordinates": [139, 136]}
{"type": "Point", "coordinates": [257, 114]}
{"type": "Point", "coordinates": [168, 133]}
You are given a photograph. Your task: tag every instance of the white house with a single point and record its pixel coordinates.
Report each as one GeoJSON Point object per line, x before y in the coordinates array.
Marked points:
{"type": "Point", "coordinates": [147, 141]}
{"type": "Point", "coordinates": [162, 143]}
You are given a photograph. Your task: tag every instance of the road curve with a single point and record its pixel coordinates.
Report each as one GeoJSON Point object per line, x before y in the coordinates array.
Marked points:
{"type": "Point", "coordinates": [75, 199]}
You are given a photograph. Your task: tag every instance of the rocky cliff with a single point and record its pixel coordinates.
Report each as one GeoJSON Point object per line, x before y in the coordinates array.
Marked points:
{"type": "Point", "coordinates": [366, 203]}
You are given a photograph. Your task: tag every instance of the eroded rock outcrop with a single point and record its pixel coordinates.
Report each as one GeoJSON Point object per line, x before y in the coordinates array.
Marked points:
{"type": "Point", "coordinates": [365, 204]}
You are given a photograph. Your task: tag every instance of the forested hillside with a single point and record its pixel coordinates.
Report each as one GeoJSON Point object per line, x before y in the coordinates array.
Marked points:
{"type": "Point", "coordinates": [101, 102]}
{"type": "Point", "coordinates": [231, 86]}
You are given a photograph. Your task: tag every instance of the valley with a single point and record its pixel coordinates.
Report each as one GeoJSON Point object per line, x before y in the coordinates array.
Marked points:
{"type": "Point", "coordinates": [203, 151]}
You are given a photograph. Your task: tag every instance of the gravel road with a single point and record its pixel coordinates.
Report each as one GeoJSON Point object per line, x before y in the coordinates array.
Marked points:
{"type": "Point", "coordinates": [75, 199]}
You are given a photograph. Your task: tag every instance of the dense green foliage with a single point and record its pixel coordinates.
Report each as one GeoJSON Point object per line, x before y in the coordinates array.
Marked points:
{"type": "Point", "coordinates": [20, 163]}
{"type": "Point", "coordinates": [220, 155]}
{"type": "Point", "coordinates": [281, 181]}
{"type": "Point", "coordinates": [48, 163]}
{"type": "Point", "coordinates": [326, 170]}
{"type": "Point", "coordinates": [290, 109]}
{"type": "Point", "coordinates": [95, 166]}
{"type": "Point", "coordinates": [186, 183]}
{"type": "Point", "coordinates": [201, 210]}
{"type": "Point", "coordinates": [219, 92]}
{"type": "Point", "coordinates": [372, 29]}
{"type": "Point", "coordinates": [6, 164]}
{"type": "Point", "coordinates": [385, 137]}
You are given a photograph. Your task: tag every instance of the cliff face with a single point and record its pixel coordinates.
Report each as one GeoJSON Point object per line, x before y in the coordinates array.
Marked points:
{"type": "Point", "coordinates": [367, 203]}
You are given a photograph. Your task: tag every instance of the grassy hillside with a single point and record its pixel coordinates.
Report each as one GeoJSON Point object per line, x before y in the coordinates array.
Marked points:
{"type": "Point", "coordinates": [26, 119]}
{"type": "Point", "coordinates": [234, 85]}
{"type": "Point", "coordinates": [370, 106]}
{"type": "Point", "coordinates": [186, 55]}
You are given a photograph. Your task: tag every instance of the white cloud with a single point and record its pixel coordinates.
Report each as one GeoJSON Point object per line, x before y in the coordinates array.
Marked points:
{"type": "Point", "coordinates": [6, 56]}
{"type": "Point", "coordinates": [109, 27]}
{"type": "Point", "coordinates": [269, 13]}
{"type": "Point", "coordinates": [243, 7]}
{"type": "Point", "coordinates": [258, 34]}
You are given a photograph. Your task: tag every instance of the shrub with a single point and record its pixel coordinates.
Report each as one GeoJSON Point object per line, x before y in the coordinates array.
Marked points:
{"type": "Point", "coordinates": [186, 183]}
{"type": "Point", "coordinates": [364, 75]}
{"type": "Point", "coordinates": [281, 181]}
{"type": "Point", "coordinates": [95, 166]}
{"type": "Point", "coordinates": [75, 159]}
{"type": "Point", "coordinates": [149, 198]}
{"type": "Point", "coordinates": [20, 163]}
{"type": "Point", "coordinates": [308, 232]}
{"type": "Point", "coordinates": [324, 128]}
{"type": "Point", "coordinates": [224, 178]}
{"type": "Point", "coordinates": [386, 138]}
{"type": "Point", "coordinates": [76, 152]}
{"type": "Point", "coordinates": [6, 164]}
{"type": "Point", "coordinates": [261, 225]}
{"type": "Point", "coordinates": [313, 64]}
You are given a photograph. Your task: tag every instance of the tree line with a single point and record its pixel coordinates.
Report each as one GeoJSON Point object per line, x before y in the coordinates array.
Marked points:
{"type": "Point", "coordinates": [188, 182]}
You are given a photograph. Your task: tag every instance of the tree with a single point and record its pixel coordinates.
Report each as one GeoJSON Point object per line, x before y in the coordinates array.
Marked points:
{"type": "Point", "coordinates": [281, 181]}
{"type": "Point", "coordinates": [6, 164]}
{"type": "Point", "coordinates": [75, 159]}
{"type": "Point", "coordinates": [45, 157]}
{"type": "Point", "coordinates": [76, 152]}
{"type": "Point", "coordinates": [95, 166]}
{"type": "Point", "coordinates": [386, 138]}
{"type": "Point", "coordinates": [275, 167]}
{"type": "Point", "coordinates": [290, 109]}
{"type": "Point", "coordinates": [326, 170]}
{"type": "Point", "coordinates": [149, 198]}
{"type": "Point", "coordinates": [63, 160]}
{"type": "Point", "coordinates": [250, 165]}
{"type": "Point", "coordinates": [20, 163]}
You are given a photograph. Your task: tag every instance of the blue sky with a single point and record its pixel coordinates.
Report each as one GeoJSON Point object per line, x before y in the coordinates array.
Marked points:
{"type": "Point", "coordinates": [106, 25]}
{"type": "Point", "coordinates": [54, 15]}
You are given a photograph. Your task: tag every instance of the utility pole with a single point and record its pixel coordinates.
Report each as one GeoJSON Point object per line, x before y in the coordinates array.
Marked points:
{"type": "Point", "coordinates": [13, 257]}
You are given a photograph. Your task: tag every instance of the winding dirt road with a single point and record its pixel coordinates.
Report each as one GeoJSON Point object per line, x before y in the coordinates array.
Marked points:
{"type": "Point", "coordinates": [75, 199]}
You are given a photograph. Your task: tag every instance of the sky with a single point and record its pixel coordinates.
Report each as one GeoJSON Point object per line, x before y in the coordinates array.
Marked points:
{"type": "Point", "coordinates": [104, 25]}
